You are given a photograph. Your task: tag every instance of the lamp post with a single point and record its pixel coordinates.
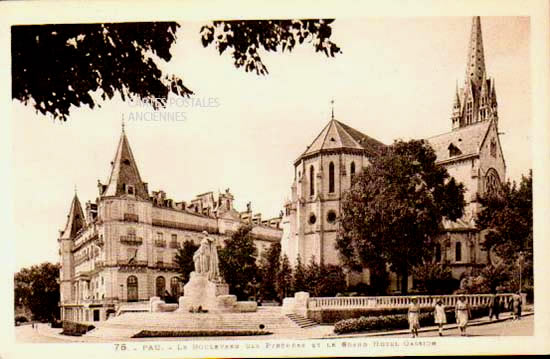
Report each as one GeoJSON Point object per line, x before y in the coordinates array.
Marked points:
{"type": "Point", "coordinates": [520, 265]}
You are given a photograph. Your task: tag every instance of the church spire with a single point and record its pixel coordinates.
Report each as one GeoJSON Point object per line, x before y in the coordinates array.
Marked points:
{"type": "Point", "coordinates": [475, 98]}
{"type": "Point", "coordinates": [75, 219]}
{"type": "Point", "coordinates": [475, 69]}
{"type": "Point", "coordinates": [125, 178]}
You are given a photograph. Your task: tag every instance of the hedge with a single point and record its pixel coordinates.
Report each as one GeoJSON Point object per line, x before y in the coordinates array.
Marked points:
{"type": "Point", "coordinates": [198, 333]}
{"type": "Point", "coordinates": [331, 316]}
{"type": "Point", "coordinates": [398, 321]}
{"type": "Point", "coordinates": [75, 329]}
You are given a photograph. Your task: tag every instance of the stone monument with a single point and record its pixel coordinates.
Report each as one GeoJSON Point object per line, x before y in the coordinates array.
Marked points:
{"type": "Point", "coordinates": [206, 289]}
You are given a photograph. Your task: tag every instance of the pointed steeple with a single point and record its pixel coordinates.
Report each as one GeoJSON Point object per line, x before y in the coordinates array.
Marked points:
{"type": "Point", "coordinates": [475, 69]}
{"type": "Point", "coordinates": [75, 219]}
{"type": "Point", "coordinates": [125, 178]}
{"type": "Point", "coordinates": [475, 96]}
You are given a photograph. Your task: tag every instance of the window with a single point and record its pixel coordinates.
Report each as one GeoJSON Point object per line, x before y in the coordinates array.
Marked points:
{"type": "Point", "coordinates": [312, 219]}
{"type": "Point", "coordinates": [159, 235]}
{"type": "Point", "coordinates": [160, 286]}
{"type": "Point", "coordinates": [131, 208]}
{"type": "Point", "coordinates": [331, 177]}
{"type": "Point", "coordinates": [175, 286]}
{"type": "Point", "coordinates": [493, 148]}
{"type": "Point", "coordinates": [132, 288]}
{"type": "Point", "coordinates": [311, 179]}
{"type": "Point", "coordinates": [331, 217]}
{"type": "Point", "coordinates": [458, 251]}
{"type": "Point", "coordinates": [131, 233]}
{"type": "Point", "coordinates": [352, 169]}
{"type": "Point", "coordinates": [174, 237]}
{"type": "Point", "coordinates": [130, 189]}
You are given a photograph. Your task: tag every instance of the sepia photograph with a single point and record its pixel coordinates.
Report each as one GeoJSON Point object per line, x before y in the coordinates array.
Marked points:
{"type": "Point", "coordinates": [195, 186]}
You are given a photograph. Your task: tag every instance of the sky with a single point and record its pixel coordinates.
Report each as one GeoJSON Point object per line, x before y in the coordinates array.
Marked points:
{"type": "Point", "coordinates": [395, 78]}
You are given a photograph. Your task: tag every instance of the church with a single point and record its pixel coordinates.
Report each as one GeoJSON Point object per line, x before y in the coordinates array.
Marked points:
{"type": "Point", "coordinates": [122, 247]}
{"type": "Point", "coordinates": [470, 151]}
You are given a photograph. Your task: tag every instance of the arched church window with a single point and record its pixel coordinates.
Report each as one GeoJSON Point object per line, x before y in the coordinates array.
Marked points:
{"type": "Point", "coordinates": [311, 179]}
{"type": "Point", "coordinates": [331, 177]}
{"type": "Point", "coordinates": [493, 148]}
{"type": "Point", "coordinates": [492, 182]}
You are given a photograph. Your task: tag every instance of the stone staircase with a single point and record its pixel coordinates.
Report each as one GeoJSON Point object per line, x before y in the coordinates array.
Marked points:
{"type": "Point", "coordinates": [301, 321]}
{"type": "Point", "coordinates": [266, 318]}
{"type": "Point", "coordinates": [135, 307]}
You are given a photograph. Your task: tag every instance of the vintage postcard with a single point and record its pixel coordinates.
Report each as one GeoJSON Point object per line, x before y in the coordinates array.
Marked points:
{"type": "Point", "coordinates": [229, 180]}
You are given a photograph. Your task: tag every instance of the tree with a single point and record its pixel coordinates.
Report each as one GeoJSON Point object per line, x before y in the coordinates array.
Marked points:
{"type": "Point", "coordinates": [37, 288]}
{"type": "Point", "coordinates": [184, 260]}
{"type": "Point", "coordinates": [507, 218]}
{"type": "Point", "coordinates": [78, 60]}
{"type": "Point", "coordinates": [238, 262]}
{"type": "Point", "coordinates": [434, 278]}
{"type": "Point", "coordinates": [269, 265]}
{"type": "Point", "coordinates": [299, 283]}
{"type": "Point", "coordinates": [395, 207]}
{"type": "Point", "coordinates": [284, 279]}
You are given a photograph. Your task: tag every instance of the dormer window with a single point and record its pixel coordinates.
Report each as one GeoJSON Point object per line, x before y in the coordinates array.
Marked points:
{"type": "Point", "coordinates": [130, 190]}
{"type": "Point", "coordinates": [454, 151]}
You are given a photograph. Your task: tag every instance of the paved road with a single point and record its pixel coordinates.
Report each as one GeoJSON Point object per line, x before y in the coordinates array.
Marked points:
{"type": "Point", "coordinates": [26, 334]}
{"type": "Point", "coordinates": [521, 327]}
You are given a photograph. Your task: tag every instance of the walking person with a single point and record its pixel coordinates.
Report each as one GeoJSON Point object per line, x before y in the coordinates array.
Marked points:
{"type": "Point", "coordinates": [494, 307]}
{"type": "Point", "coordinates": [462, 314]}
{"type": "Point", "coordinates": [440, 318]}
{"type": "Point", "coordinates": [516, 307]}
{"type": "Point", "coordinates": [413, 314]}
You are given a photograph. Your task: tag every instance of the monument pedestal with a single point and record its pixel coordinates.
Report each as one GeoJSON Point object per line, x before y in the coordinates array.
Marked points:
{"type": "Point", "coordinates": [200, 292]}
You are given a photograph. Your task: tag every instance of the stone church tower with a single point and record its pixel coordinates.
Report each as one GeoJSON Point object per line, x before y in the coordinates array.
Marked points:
{"type": "Point", "coordinates": [472, 154]}
{"type": "Point", "coordinates": [321, 175]}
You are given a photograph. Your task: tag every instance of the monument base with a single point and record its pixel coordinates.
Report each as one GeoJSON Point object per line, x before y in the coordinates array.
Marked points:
{"type": "Point", "coordinates": [200, 292]}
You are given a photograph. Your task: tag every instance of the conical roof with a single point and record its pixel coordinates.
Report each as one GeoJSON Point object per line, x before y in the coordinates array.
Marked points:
{"type": "Point", "coordinates": [124, 172]}
{"type": "Point", "coordinates": [337, 135]}
{"type": "Point", "coordinates": [75, 219]}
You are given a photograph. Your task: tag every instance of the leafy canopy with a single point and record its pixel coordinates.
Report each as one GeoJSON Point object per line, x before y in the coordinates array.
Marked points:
{"type": "Point", "coordinates": [59, 66]}
{"type": "Point", "coordinates": [238, 262]}
{"type": "Point", "coordinates": [394, 209]}
{"type": "Point", "coordinates": [37, 288]}
{"type": "Point", "coordinates": [184, 260]}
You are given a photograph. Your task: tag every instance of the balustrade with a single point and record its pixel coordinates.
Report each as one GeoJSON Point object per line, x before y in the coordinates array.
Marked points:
{"type": "Point", "coordinates": [399, 301]}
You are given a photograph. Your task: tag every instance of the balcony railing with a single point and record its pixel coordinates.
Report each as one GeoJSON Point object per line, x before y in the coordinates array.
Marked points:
{"type": "Point", "coordinates": [127, 262]}
{"type": "Point", "coordinates": [160, 243]}
{"type": "Point", "coordinates": [174, 244]}
{"type": "Point", "coordinates": [131, 217]}
{"type": "Point", "coordinates": [164, 265]}
{"type": "Point", "coordinates": [131, 240]}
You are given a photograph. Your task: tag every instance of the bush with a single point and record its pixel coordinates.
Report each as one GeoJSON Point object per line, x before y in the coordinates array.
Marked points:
{"type": "Point", "coordinates": [75, 329]}
{"type": "Point", "coordinates": [399, 321]}
{"type": "Point", "coordinates": [331, 316]}
{"type": "Point", "coordinates": [57, 323]}
{"type": "Point", "coordinates": [21, 319]}
{"type": "Point", "coordinates": [197, 333]}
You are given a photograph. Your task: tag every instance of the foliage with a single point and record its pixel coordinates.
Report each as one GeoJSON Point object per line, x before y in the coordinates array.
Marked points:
{"type": "Point", "coordinates": [395, 207]}
{"type": "Point", "coordinates": [299, 282]}
{"type": "Point", "coordinates": [197, 333]}
{"type": "Point", "coordinates": [37, 288]}
{"type": "Point", "coordinates": [434, 278]}
{"type": "Point", "coordinates": [284, 279]}
{"type": "Point", "coordinates": [269, 266]}
{"type": "Point", "coordinates": [333, 315]}
{"type": "Point", "coordinates": [79, 62]}
{"type": "Point", "coordinates": [75, 329]}
{"type": "Point", "coordinates": [398, 321]}
{"type": "Point", "coordinates": [507, 216]}
{"type": "Point", "coordinates": [238, 262]}
{"type": "Point", "coordinates": [320, 280]}
{"type": "Point", "coordinates": [245, 38]}
{"type": "Point", "coordinates": [184, 260]}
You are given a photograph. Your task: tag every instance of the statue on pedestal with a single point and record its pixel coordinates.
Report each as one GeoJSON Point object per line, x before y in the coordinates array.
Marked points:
{"type": "Point", "coordinates": [206, 259]}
